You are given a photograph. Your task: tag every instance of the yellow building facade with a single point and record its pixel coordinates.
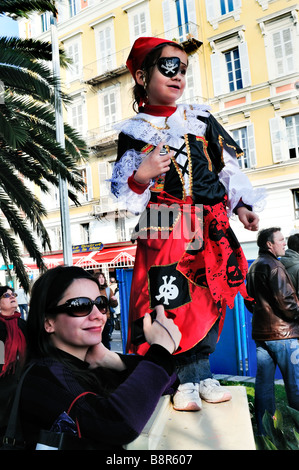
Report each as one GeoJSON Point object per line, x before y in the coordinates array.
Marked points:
{"type": "Point", "coordinates": [245, 66]}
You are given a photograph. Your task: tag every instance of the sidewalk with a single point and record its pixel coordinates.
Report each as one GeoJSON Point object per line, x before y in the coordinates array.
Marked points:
{"type": "Point", "coordinates": [116, 343]}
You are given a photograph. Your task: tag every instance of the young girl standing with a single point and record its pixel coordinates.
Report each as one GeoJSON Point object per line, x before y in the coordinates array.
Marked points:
{"type": "Point", "coordinates": [193, 265]}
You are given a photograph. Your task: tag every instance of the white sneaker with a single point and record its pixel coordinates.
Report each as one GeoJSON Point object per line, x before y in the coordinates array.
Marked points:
{"type": "Point", "coordinates": [187, 397]}
{"type": "Point", "coordinates": [211, 391]}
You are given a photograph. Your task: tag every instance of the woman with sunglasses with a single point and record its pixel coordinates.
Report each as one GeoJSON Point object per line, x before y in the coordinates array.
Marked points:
{"type": "Point", "coordinates": [12, 351]}
{"type": "Point", "coordinates": [65, 324]}
{"type": "Point", "coordinates": [178, 167]}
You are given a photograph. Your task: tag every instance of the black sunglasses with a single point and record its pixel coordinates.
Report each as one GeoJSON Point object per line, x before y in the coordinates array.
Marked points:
{"type": "Point", "coordinates": [6, 295]}
{"type": "Point", "coordinates": [169, 66]}
{"type": "Point", "coordinates": [81, 306]}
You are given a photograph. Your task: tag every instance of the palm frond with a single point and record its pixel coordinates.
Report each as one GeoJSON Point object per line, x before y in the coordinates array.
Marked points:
{"type": "Point", "coordinates": [29, 151]}
{"type": "Point", "coordinates": [23, 8]}
{"type": "Point", "coordinates": [33, 49]}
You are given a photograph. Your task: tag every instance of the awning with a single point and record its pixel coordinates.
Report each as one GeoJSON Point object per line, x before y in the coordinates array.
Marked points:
{"type": "Point", "coordinates": [119, 256]}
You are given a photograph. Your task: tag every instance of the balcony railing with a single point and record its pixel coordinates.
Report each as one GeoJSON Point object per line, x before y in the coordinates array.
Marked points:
{"type": "Point", "coordinates": [103, 136]}
{"type": "Point", "coordinates": [106, 136]}
{"type": "Point", "coordinates": [113, 65]}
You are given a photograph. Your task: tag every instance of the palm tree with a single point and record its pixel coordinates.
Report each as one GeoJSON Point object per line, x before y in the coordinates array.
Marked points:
{"type": "Point", "coordinates": [29, 150]}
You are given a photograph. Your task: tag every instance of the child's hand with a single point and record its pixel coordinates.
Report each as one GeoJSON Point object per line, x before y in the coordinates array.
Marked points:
{"type": "Point", "coordinates": [153, 165]}
{"type": "Point", "coordinates": [249, 219]}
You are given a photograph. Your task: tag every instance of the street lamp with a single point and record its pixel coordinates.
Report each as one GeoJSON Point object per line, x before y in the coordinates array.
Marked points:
{"type": "Point", "coordinates": [63, 192]}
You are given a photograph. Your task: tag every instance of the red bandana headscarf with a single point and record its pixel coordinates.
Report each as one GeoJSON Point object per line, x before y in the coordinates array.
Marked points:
{"type": "Point", "coordinates": [140, 49]}
{"type": "Point", "coordinates": [15, 344]}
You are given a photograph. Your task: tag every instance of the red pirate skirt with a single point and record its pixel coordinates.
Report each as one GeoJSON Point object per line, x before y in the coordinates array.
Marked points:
{"type": "Point", "coordinates": [189, 260]}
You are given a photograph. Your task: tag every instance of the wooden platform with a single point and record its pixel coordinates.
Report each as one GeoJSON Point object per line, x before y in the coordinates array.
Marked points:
{"type": "Point", "coordinates": [222, 426]}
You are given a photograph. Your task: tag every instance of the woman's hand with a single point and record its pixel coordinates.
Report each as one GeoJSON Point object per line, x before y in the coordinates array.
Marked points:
{"type": "Point", "coordinates": [163, 331]}
{"type": "Point", "coordinates": [153, 165]}
{"type": "Point", "coordinates": [249, 219]}
{"type": "Point", "coordinates": [100, 356]}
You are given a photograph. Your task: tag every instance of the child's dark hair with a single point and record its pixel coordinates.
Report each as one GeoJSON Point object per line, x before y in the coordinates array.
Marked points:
{"type": "Point", "coordinates": [139, 91]}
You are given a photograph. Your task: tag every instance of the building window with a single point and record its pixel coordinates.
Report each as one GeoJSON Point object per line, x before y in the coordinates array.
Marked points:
{"type": "Point", "coordinates": [230, 64]}
{"type": "Point", "coordinates": [283, 52]}
{"type": "Point", "coordinates": [222, 10]}
{"type": "Point", "coordinates": [292, 128]}
{"type": "Point", "coordinates": [86, 194]}
{"type": "Point", "coordinates": [233, 65]}
{"type": "Point", "coordinates": [73, 7]}
{"type": "Point", "coordinates": [240, 136]}
{"type": "Point", "coordinates": [73, 49]}
{"type": "Point", "coordinates": [45, 21]}
{"type": "Point", "coordinates": [85, 233]}
{"type": "Point", "coordinates": [76, 117]}
{"type": "Point", "coordinates": [296, 202]}
{"type": "Point", "coordinates": [182, 18]}
{"type": "Point", "coordinates": [139, 24]}
{"type": "Point", "coordinates": [284, 137]}
{"type": "Point", "coordinates": [244, 137]}
{"type": "Point", "coordinates": [281, 42]}
{"type": "Point", "coordinates": [226, 6]}
{"type": "Point", "coordinates": [105, 49]}
{"type": "Point", "coordinates": [139, 19]}
{"type": "Point", "coordinates": [109, 107]}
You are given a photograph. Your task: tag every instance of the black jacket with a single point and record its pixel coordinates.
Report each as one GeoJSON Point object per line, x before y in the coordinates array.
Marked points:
{"type": "Point", "coordinates": [276, 308]}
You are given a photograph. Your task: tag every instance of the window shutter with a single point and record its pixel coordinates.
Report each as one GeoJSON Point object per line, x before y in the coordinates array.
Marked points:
{"type": "Point", "coordinates": [103, 176]}
{"type": "Point", "coordinates": [278, 141]}
{"type": "Point", "coordinates": [89, 184]}
{"type": "Point", "coordinates": [167, 19]}
{"type": "Point", "coordinates": [191, 11]}
{"type": "Point", "coordinates": [251, 146]}
{"type": "Point", "coordinates": [245, 67]}
{"type": "Point", "coordinates": [210, 9]}
{"type": "Point", "coordinates": [216, 72]}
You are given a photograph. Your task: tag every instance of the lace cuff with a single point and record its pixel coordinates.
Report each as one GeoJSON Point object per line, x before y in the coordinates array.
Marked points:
{"type": "Point", "coordinates": [122, 171]}
{"type": "Point", "coordinates": [238, 186]}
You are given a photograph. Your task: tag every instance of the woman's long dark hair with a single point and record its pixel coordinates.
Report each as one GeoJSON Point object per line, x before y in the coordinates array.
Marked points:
{"type": "Point", "coordinates": [46, 293]}
{"type": "Point", "coordinates": [139, 92]}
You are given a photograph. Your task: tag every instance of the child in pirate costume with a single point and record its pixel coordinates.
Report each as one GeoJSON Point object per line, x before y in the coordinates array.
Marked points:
{"type": "Point", "coordinates": [193, 265]}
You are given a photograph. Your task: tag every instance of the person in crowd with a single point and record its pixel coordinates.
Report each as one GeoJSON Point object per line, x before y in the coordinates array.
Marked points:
{"type": "Point", "coordinates": [275, 323]}
{"type": "Point", "coordinates": [12, 351]}
{"type": "Point", "coordinates": [113, 284]}
{"type": "Point", "coordinates": [112, 300]}
{"type": "Point", "coordinates": [22, 302]}
{"type": "Point", "coordinates": [178, 167]}
{"type": "Point", "coordinates": [291, 260]}
{"type": "Point", "coordinates": [65, 324]}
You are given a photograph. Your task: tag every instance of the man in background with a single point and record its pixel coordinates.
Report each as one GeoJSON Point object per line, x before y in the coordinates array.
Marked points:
{"type": "Point", "coordinates": [275, 323]}
{"type": "Point", "coordinates": [291, 260]}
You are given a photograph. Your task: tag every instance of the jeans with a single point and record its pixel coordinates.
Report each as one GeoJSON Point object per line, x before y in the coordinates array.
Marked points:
{"type": "Point", "coordinates": [194, 365]}
{"type": "Point", "coordinates": [24, 311]}
{"type": "Point", "coordinates": [284, 354]}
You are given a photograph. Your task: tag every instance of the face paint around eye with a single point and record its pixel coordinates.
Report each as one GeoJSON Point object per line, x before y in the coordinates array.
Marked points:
{"type": "Point", "coordinates": [169, 66]}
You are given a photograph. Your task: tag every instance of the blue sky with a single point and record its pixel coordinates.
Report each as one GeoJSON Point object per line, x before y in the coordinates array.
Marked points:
{"type": "Point", "coordinates": [8, 27]}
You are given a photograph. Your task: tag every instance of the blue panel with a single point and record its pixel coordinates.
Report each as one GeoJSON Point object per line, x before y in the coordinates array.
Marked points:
{"type": "Point", "coordinates": [124, 278]}
{"type": "Point", "coordinates": [225, 359]}
{"type": "Point", "coordinates": [235, 352]}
